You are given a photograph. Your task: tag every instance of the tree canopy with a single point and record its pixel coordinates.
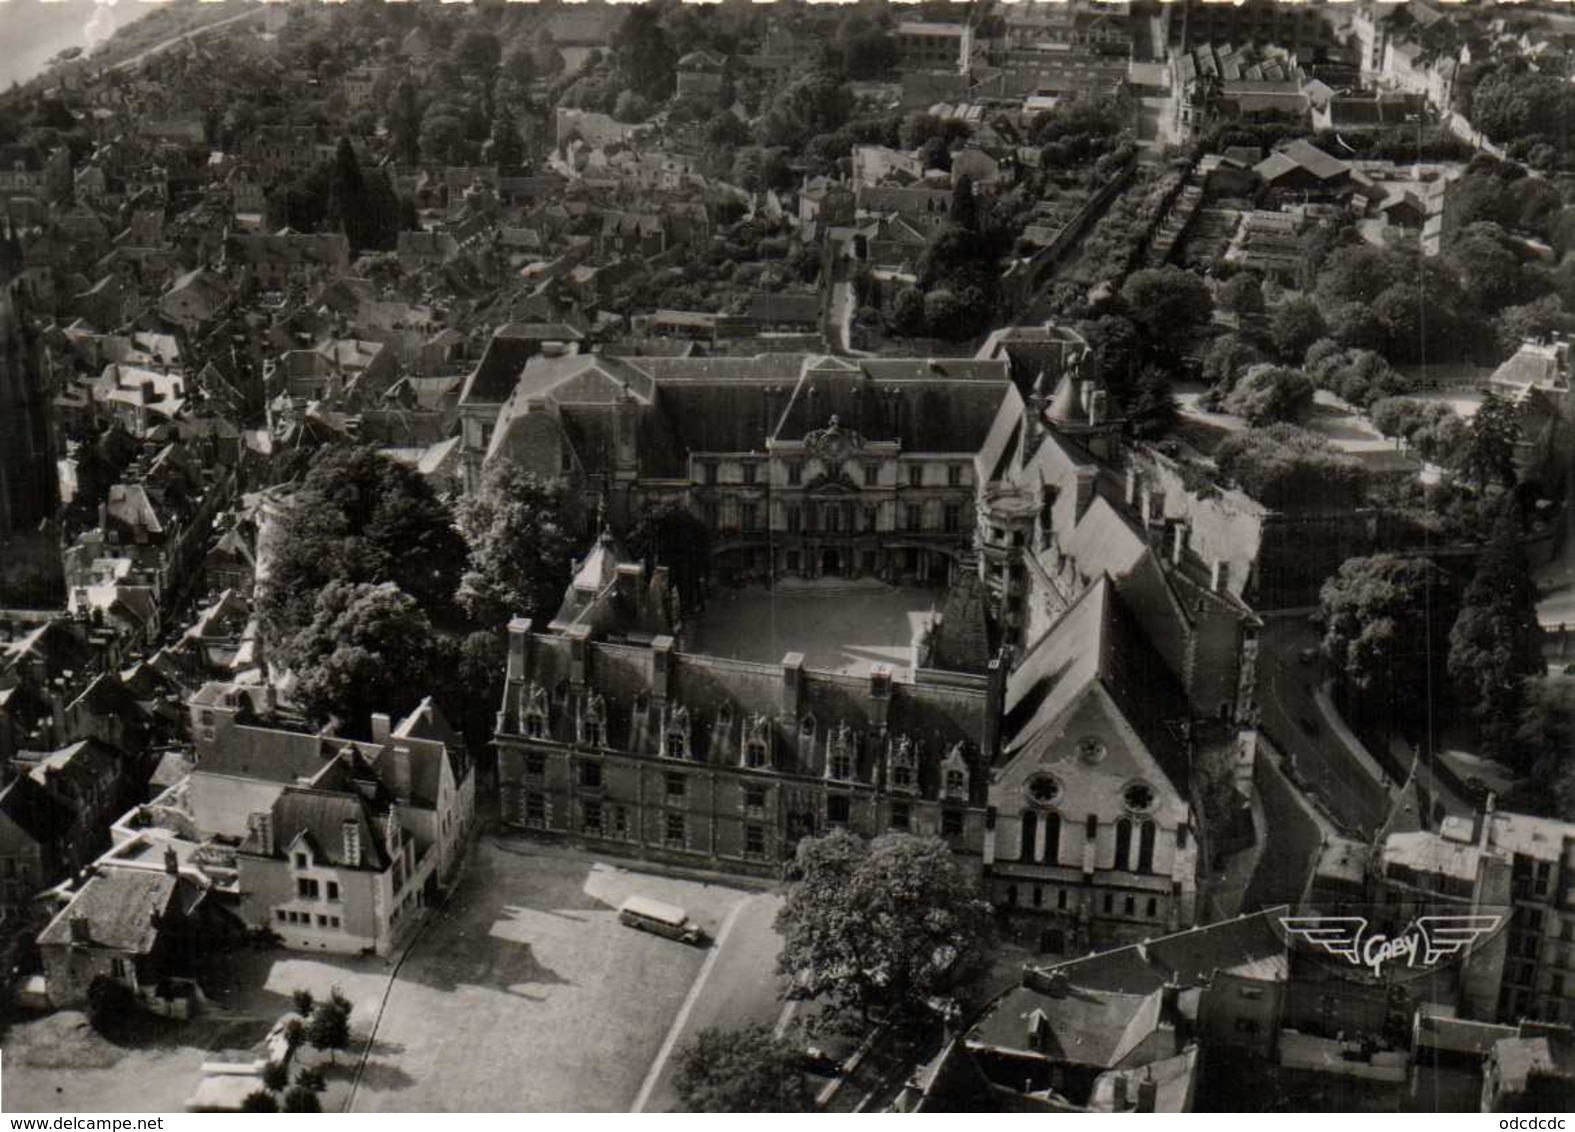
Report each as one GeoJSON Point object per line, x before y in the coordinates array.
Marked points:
{"type": "Point", "coordinates": [517, 526]}
{"type": "Point", "coordinates": [883, 925]}
{"type": "Point", "coordinates": [1286, 466]}
{"type": "Point", "coordinates": [358, 517]}
{"type": "Point", "coordinates": [746, 1070]}
{"type": "Point", "coordinates": [1385, 624]}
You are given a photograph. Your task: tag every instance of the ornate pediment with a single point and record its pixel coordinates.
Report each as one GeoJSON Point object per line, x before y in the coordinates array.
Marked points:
{"type": "Point", "coordinates": [833, 444]}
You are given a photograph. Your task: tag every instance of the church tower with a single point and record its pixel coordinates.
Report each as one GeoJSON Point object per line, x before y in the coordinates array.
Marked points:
{"type": "Point", "coordinates": [29, 558]}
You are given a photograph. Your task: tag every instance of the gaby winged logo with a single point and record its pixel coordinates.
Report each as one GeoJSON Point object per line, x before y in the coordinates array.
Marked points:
{"type": "Point", "coordinates": [1426, 942]}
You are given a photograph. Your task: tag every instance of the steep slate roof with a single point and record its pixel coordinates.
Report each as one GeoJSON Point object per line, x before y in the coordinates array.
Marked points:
{"type": "Point", "coordinates": [1096, 641]}
{"type": "Point", "coordinates": [498, 371]}
{"type": "Point", "coordinates": [320, 816]}
{"type": "Point", "coordinates": [119, 906]}
{"type": "Point", "coordinates": [1085, 1027]}
{"type": "Point", "coordinates": [269, 755]}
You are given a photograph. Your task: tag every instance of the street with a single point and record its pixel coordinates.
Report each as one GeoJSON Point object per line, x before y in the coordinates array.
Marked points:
{"type": "Point", "coordinates": [1326, 767]}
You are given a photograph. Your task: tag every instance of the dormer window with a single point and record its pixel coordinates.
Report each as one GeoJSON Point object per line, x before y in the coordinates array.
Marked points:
{"type": "Point", "coordinates": [839, 753]}
{"type": "Point", "coordinates": [757, 743]}
{"type": "Point", "coordinates": [903, 766]}
{"type": "Point", "coordinates": [533, 712]}
{"type": "Point", "coordinates": [954, 774]}
{"type": "Point", "coordinates": [675, 735]}
{"type": "Point", "coordinates": [593, 723]}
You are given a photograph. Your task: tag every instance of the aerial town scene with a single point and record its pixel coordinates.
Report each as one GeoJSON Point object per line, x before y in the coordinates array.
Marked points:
{"type": "Point", "coordinates": [787, 557]}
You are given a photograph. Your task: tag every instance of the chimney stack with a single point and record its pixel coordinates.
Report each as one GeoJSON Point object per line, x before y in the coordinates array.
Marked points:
{"type": "Point", "coordinates": [401, 772]}
{"type": "Point", "coordinates": [1219, 575]}
{"type": "Point", "coordinates": [381, 726]}
{"type": "Point", "coordinates": [1147, 1092]}
{"type": "Point", "coordinates": [880, 693]}
{"type": "Point", "coordinates": [261, 826]}
{"type": "Point", "coordinates": [171, 860]}
{"type": "Point", "coordinates": [1118, 1098]}
{"type": "Point", "coordinates": [1134, 485]}
{"type": "Point", "coordinates": [661, 667]}
{"type": "Point", "coordinates": [1098, 407]}
{"type": "Point", "coordinates": [579, 653]}
{"type": "Point", "coordinates": [519, 634]}
{"type": "Point", "coordinates": [1178, 542]}
{"type": "Point", "coordinates": [792, 685]}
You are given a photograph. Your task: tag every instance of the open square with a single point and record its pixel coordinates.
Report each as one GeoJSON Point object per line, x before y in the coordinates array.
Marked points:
{"type": "Point", "coordinates": [839, 627]}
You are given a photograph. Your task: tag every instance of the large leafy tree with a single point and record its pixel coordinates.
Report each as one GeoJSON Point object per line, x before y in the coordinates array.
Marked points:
{"type": "Point", "coordinates": [882, 926]}
{"type": "Point", "coordinates": [645, 57]}
{"type": "Point", "coordinates": [1488, 455]}
{"type": "Point", "coordinates": [1496, 642]}
{"type": "Point", "coordinates": [1268, 394]}
{"type": "Point", "coordinates": [1167, 303]}
{"type": "Point", "coordinates": [746, 1070]}
{"type": "Point", "coordinates": [1286, 466]}
{"type": "Point", "coordinates": [1295, 325]}
{"type": "Point", "coordinates": [518, 528]}
{"type": "Point", "coordinates": [358, 516]}
{"type": "Point", "coordinates": [1543, 745]}
{"type": "Point", "coordinates": [368, 648]}
{"type": "Point", "coordinates": [1385, 624]}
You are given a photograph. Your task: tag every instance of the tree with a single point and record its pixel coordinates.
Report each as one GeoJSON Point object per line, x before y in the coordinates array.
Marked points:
{"type": "Point", "coordinates": [964, 209]}
{"type": "Point", "coordinates": [1495, 643]}
{"type": "Point", "coordinates": [645, 58]}
{"type": "Point", "coordinates": [1488, 454]}
{"type": "Point", "coordinates": [1383, 624]}
{"type": "Point", "coordinates": [443, 135]}
{"type": "Point", "coordinates": [259, 1100]}
{"type": "Point", "coordinates": [310, 1078]}
{"type": "Point", "coordinates": [1542, 746]}
{"type": "Point", "coordinates": [404, 123]}
{"type": "Point", "coordinates": [110, 1004]}
{"type": "Point", "coordinates": [276, 1075]}
{"type": "Point", "coordinates": [746, 1070]}
{"type": "Point", "coordinates": [330, 1026]}
{"type": "Point", "coordinates": [368, 648]}
{"type": "Point", "coordinates": [1242, 295]}
{"type": "Point", "coordinates": [295, 1033]}
{"type": "Point", "coordinates": [884, 925]}
{"type": "Point", "coordinates": [301, 1100]}
{"type": "Point", "coordinates": [1167, 303]}
{"type": "Point", "coordinates": [1152, 410]}
{"type": "Point", "coordinates": [303, 1001]}
{"type": "Point", "coordinates": [508, 150]}
{"type": "Point", "coordinates": [1229, 356]}
{"type": "Point", "coordinates": [1268, 394]}
{"type": "Point", "coordinates": [361, 517]}
{"type": "Point", "coordinates": [517, 528]}
{"type": "Point", "coordinates": [477, 52]}
{"type": "Point", "coordinates": [632, 106]}
{"type": "Point", "coordinates": [907, 312]}
{"type": "Point", "coordinates": [1286, 466]}
{"type": "Point", "coordinates": [1540, 319]}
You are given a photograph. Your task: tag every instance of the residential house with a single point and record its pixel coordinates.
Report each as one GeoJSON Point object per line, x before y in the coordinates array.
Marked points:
{"type": "Point", "coordinates": [924, 46]}
{"type": "Point", "coordinates": [700, 74]}
{"type": "Point", "coordinates": [342, 842]}
{"type": "Point", "coordinates": [35, 844]}
{"type": "Point", "coordinates": [195, 298]}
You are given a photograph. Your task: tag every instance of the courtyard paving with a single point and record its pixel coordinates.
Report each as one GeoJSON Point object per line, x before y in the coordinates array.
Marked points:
{"type": "Point", "coordinates": [839, 626]}
{"type": "Point", "coordinates": [526, 995]}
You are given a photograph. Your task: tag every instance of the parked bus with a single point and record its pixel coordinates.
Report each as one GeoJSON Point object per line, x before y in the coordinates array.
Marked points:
{"type": "Point", "coordinates": [662, 919]}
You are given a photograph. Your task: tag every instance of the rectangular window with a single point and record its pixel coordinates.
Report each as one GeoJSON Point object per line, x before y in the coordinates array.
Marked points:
{"type": "Point", "coordinates": [1110, 902]}
{"type": "Point", "coordinates": [871, 475]}
{"type": "Point", "coordinates": [566, 461]}
{"type": "Point", "coordinates": [333, 890]}
{"type": "Point", "coordinates": [281, 915]}
{"type": "Point", "coordinates": [535, 764]}
{"type": "Point", "coordinates": [306, 888]}
{"type": "Point", "coordinates": [954, 475]}
{"type": "Point", "coordinates": [795, 521]}
{"type": "Point", "coordinates": [592, 816]}
{"type": "Point", "coordinates": [754, 839]}
{"type": "Point", "coordinates": [838, 808]}
{"type": "Point", "coordinates": [676, 787]}
{"type": "Point", "coordinates": [300, 860]}
{"type": "Point", "coordinates": [1060, 899]}
{"type": "Point", "coordinates": [591, 775]}
{"type": "Point", "coordinates": [795, 474]}
{"type": "Point", "coordinates": [953, 518]}
{"type": "Point", "coordinates": [951, 822]}
{"type": "Point", "coordinates": [1129, 906]}
{"type": "Point", "coordinates": [322, 921]}
{"type": "Point", "coordinates": [751, 516]}
{"type": "Point", "coordinates": [708, 470]}
{"type": "Point", "coordinates": [708, 514]}
{"type": "Point", "coordinates": [913, 517]}
{"type": "Point", "coordinates": [750, 472]}
{"type": "Point", "coordinates": [535, 809]}
{"type": "Point", "coordinates": [676, 828]}
{"type": "Point", "coordinates": [620, 821]}
{"type": "Point", "coordinates": [754, 798]}
{"type": "Point", "coordinates": [901, 816]}
{"type": "Point", "coordinates": [916, 475]}
{"type": "Point", "coordinates": [1153, 908]}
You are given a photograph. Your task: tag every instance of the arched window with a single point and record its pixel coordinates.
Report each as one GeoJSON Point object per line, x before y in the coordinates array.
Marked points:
{"type": "Point", "coordinates": [1052, 853]}
{"type": "Point", "coordinates": [1124, 843]}
{"type": "Point", "coordinates": [1146, 847]}
{"type": "Point", "coordinates": [1025, 851]}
